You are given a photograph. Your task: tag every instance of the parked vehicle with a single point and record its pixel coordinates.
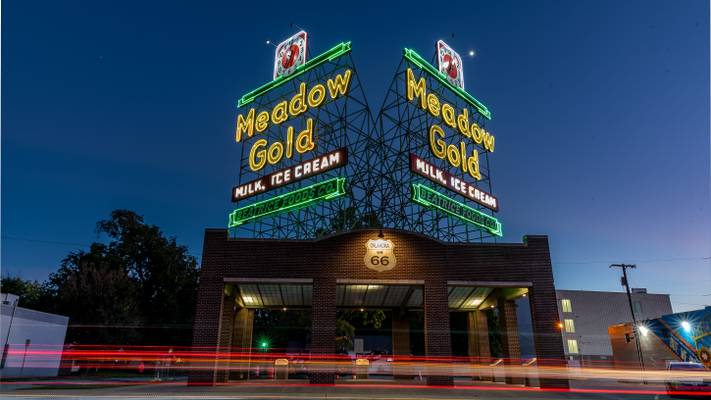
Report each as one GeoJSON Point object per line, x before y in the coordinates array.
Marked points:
{"type": "Point", "coordinates": [698, 379]}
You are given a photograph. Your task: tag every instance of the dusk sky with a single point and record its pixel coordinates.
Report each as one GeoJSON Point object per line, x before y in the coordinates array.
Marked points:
{"type": "Point", "coordinates": [600, 111]}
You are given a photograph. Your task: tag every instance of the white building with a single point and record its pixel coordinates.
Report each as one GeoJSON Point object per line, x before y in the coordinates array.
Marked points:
{"type": "Point", "coordinates": [586, 315]}
{"type": "Point", "coordinates": [32, 341]}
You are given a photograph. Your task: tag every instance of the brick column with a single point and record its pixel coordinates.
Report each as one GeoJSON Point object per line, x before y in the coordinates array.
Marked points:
{"type": "Point", "coordinates": [511, 343]}
{"type": "Point", "coordinates": [242, 341]}
{"type": "Point", "coordinates": [224, 338]}
{"type": "Point", "coordinates": [547, 337]}
{"type": "Point", "coordinates": [208, 310]}
{"type": "Point", "coordinates": [478, 332]}
{"type": "Point", "coordinates": [437, 333]}
{"type": "Point", "coordinates": [323, 325]}
{"type": "Point", "coordinates": [400, 341]}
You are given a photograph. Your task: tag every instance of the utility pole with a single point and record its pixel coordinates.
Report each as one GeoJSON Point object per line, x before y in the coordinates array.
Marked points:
{"type": "Point", "coordinates": [635, 328]}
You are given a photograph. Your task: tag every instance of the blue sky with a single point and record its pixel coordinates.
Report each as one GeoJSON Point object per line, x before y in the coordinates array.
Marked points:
{"type": "Point", "coordinates": [600, 111]}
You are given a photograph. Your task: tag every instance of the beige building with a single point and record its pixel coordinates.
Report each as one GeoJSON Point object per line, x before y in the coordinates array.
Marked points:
{"type": "Point", "coordinates": [585, 316]}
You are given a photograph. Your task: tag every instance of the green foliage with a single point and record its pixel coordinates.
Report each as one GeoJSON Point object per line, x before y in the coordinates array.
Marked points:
{"type": "Point", "coordinates": [137, 288]}
{"type": "Point", "coordinates": [346, 220]}
{"type": "Point", "coordinates": [277, 328]}
{"type": "Point", "coordinates": [33, 294]}
{"type": "Point", "coordinates": [345, 329]}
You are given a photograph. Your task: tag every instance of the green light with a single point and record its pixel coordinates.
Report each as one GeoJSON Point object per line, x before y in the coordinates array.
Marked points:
{"type": "Point", "coordinates": [333, 53]}
{"type": "Point", "coordinates": [326, 190]}
{"type": "Point", "coordinates": [265, 345]}
{"type": "Point", "coordinates": [430, 198]}
{"type": "Point", "coordinates": [427, 67]}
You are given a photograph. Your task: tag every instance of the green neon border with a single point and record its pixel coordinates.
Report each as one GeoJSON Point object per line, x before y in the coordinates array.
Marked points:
{"type": "Point", "coordinates": [340, 191]}
{"type": "Point", "coordinates": [427, 67]}
{"type": "Point", "coordinates": [416, 197]}
{"type": "Point", "coordinates": [335, 52]}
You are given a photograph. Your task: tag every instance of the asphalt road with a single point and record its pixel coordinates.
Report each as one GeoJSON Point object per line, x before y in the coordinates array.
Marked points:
{"type": "Point", "coordinates": [180, 391]}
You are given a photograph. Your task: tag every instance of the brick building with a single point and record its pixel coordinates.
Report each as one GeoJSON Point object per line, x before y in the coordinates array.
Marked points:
{"type": "Point", "coordinates": [239, 276]}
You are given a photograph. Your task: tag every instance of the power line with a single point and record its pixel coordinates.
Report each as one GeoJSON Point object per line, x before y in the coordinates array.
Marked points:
{"type": "Point", "coordinates": [638, 261]}
{"type": "Point", "coordinates": [22, 239]}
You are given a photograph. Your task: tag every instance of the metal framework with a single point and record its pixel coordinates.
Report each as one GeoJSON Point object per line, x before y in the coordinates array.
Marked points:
{"type": "Point", "coordinates": [403, 129]}
{"type": "Point", "coordinates": [378, 177]}
{"type": "Point", "coordinates": [342, 122]}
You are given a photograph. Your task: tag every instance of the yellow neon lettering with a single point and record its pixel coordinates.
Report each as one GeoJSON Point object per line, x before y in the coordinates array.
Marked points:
{"type": "Point", "coordinates": [245, 125]}
{"type": "Point", "coordinates": [437, 145]}
{"type": "Point", "coordinates": [448, 115]}
{"type": "Point", "coordinates": [416, 88]}
{"type": "Point", "coordinates": [453, 155]}
{"type": "Point", "coordinates": [340, 85]}
{"type": "Point", "coordinates": [257, 156]}
{"type": "Point", "coordinates": [279, 113]}
{"type": "Point", "coordinates": [463, 151]}
{"type": "Point", "coordinates": [433, 104]}
{"type": "Point", "coordinates": [275, 153]}
{"type": "Point", "coordinates": [463, 122]}
{"type": "Point", "coordinates": [488, 141]}
{"type": "Point", "coordinates": [289, 141]}
{"type": "Point", "coordinates": [317, 95]}
{"type": "Point", "coordinates": [297, 105]}
{"type": "Point", "coordinates": [473, 164]}
{"type": "Point", "coordinates": [305, 139]}
{"type": "Point", "coordinates": [262, 121]}
{"type": "Point", "coordinates": [476, 133]}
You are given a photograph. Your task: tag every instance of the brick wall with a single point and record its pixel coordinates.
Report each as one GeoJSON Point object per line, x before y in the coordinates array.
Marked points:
{"type": "Point", "coordinates": [341, 257]}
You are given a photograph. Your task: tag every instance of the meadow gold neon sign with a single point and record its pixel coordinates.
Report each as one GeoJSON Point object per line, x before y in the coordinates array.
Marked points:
{"type": "Point", "coordinates": [458, 156]}
{"type": "Point", "coordinates": [297, 199]}
{"type": "Point", "coordinates": [432, 199]}
{"type": "Point", "coordinates": [263, 152]}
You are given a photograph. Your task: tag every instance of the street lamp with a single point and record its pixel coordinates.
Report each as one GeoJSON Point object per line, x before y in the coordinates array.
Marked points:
{"type": "Point", "coordinates": [686, 325]}
{"type": "Point", "coordinates": [643, 330]}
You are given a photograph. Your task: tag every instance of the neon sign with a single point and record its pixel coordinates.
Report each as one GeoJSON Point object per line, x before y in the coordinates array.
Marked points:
{"type": "Point", "coordinates": [453, 183]}
{"type": "Point", "coordinates": [450, 64]}
{"type": "Point", "coordinates": [457, 156]}
{"type": "Point", "coordinates": [290, 54]}
{"type": "Point", "coordinates": [262, 152]}
{"type": "Point", "coordinates": [421, 63]}
{"type": "Point", "coordinates": [430, 198]}
{"type": "Point", "coordinates": [294, 173]}
{"type": "Point", "coordinates": [297, 199]}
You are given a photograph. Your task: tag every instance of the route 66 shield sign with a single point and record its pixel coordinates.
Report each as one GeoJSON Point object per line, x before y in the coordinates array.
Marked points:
{"type": "Point", "coordinates": [290, 54]}
{"type": "Point", "coordinates": [380, 255]}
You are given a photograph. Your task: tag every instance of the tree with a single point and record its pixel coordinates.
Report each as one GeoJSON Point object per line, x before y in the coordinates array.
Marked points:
{"type": "Point", "coordinates": [166, 274]}
{"type": "Point", "coordinates": [139, 288]}
{"type": "Point", "coordinates": [345, 329]}
{"type": "Point", "coordinates": [33, 294]}
{"type": "Point", "coordinates": [93, 289]}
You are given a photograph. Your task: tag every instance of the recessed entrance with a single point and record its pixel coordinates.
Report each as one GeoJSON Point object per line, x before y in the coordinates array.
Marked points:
{"type": "Point", "coordinates": [272, 321]}
{"type": "Point", "coordinates": [487, 325]}
{"type": "Point", "coordinates": [377, 323]}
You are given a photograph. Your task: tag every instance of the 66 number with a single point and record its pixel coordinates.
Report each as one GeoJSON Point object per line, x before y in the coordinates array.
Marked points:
{"type": "Point", "coordinates": [375, 260]}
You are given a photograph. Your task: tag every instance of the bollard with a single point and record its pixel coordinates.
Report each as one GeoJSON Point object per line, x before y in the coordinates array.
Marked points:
{"type": "Point", "coordinates": [281, 367]}
{"type": "Point", "coordinates": [361, 368]}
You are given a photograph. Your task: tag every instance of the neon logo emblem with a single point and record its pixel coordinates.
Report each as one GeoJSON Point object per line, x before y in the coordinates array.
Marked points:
{"type": "Point", "coordinates": [450, 64]}
{"type": "Point", "coordinates": [290, 54]}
